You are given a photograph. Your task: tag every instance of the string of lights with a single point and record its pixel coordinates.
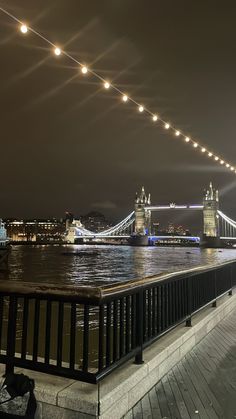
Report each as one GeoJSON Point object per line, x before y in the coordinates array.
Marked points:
{"type": "Point", "coordinates": [25, 29]}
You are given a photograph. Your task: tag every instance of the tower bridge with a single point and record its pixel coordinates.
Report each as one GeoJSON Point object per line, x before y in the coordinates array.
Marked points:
{"type": "Point", "coordinates": [218, 228]}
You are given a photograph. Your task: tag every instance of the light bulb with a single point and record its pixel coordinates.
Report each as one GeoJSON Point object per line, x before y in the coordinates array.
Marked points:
{"type": "Point", "coordinates": [23, 29]}
{"type": "Point", "coordinates": [187, 139]}
{"type": "Point", "coordinates": [125, 98]}
{"type": "Point", "coordinates": [106, 85]}
{"type": "Point", "coordinates": [227, 165]}
{"type": "Point", "coordinates": [177, 133]}
{"type": "Point", "coordinates": [210, 154]}
{"type": "Point", "coordinates": [155, 118]}
{"type": "Point", "coordinates": [222, 162]}
{"type": "Point", "coordinates": [195, 145]}
{"type": "Point", "coordinates": [216, 158]}
{"type": "Point", "coordinates": [57, 51]}
{"type": "Point", "coordinates": [84, 69]}
{"type": "Point", "coordinates": [141, 108]}
{"type": "Point", "coordinates": [203, 150]}
{"type": "Point", "coordinates": [167, 126]}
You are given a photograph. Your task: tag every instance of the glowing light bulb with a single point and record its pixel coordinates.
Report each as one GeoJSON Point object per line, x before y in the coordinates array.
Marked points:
{"type": "Point", "coordinates": [210, 154]}
{"type": "Point", "coordinates": [195, 145]}
{"type": "Point", "coordinates": [155, 118]}
{"type": "Point", "coordinates": [187, 139]}
{"type": "Point", "coordinates": [125, 98]}
{"type": "Point", "coordinates": [227, 165]}
{"type": "Point", "coordinates": [203, 150]}
{"type": "Point", "coordinates": [177, 133]}
{"type": "Point", "coordinates": [57, 51]}
{"type": "Point", "coordinates": [84, 69]}
{"type": "Point", "coordinates": [106, 85]}
{"type": "Point", "coordinates": [141, 108]}
{"type": "Point", "coordinates": [23, 29]}
{"type": "Point", "coordinates": [216, 158]}
{"type": "Point", "coordinates": [167, 126]}
{"type": "Point", "coordinates": [222, 162]}
{"type": "Point", "coordinates": [232, 168]}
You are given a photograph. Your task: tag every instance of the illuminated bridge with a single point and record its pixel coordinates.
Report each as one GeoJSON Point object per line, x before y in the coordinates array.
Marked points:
{"type": "Point", "coordinates": [218, 228]}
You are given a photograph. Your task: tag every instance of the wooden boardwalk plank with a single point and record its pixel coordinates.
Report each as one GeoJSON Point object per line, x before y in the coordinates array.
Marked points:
{"type": "Point", "coordinates": [146, 407]}
{"type": "Point", "coordinates": [163, 402]}
{"type": "Point", "coordinates": [193, 393]}
{"type": "Point", "coordinates": [189, 402]}
{"type": "Point", "coordinates": [156, 411]}
{"type": "Point", "coordinates": [174, 411]}
{"type": "Point", "coordinates": [137, 411]}
{"type": "Point", "coordinates": [204, 376]}
{"type": "Point", "coordinates": [202, 385]}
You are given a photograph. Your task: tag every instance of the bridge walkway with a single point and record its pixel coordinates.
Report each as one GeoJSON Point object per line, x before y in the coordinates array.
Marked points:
{"type": "Point", "coordinates": [202, 385]}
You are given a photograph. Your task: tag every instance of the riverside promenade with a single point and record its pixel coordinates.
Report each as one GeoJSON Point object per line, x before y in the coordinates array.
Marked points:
{"type": "Point", "coordinates": [96, 352]}
{"type": "Point", "coordinates": [201, 385]}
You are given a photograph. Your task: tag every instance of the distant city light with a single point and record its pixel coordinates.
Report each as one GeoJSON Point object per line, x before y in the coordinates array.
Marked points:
{"type": "Point", "coordinates": [141, 108]}
{"type": "Point", "coordinates": [57, 51]}
{"type": "Point", "coordinates": [167, 126]}
{"type": "Point", "coordinates": [195, 145]}
{"type": "Point", "coordinates": [24, 29]}
{"type": "Point", "coordinates": [187, 139]}
{"type": "Point", "coordinates": [84, 69]}
{"type": "Point", "coordinates": [177, 133]}
{"type": "Point", "coordinates": [154, 118]}
{"type": "Point", "coordinates": [106, 85]}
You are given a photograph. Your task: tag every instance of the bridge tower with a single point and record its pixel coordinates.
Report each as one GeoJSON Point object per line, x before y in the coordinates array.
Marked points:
{"type": "Point", "coordinates": [142, 227]}
{"type": "Point", "coordinates": [211, 233]}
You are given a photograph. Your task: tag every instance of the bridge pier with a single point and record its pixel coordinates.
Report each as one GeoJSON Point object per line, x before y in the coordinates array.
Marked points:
{"type": "Point", "coordinates": [208, 242]}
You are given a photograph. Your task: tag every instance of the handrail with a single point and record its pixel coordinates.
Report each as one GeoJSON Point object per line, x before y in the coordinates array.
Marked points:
{"type": "Point", "coordinates": [96, 294]}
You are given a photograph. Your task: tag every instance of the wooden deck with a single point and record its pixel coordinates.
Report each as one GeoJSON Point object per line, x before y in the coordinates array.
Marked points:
{"type": "Point", "coordinates": [202, 385]}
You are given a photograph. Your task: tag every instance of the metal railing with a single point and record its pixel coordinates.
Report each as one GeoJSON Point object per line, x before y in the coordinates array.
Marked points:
{"type": "Point", "coordinates": [85, 333]}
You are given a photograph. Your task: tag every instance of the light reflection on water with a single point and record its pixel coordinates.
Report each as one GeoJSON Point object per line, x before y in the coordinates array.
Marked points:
{"type": "Point", "coordinates": [102, 264]}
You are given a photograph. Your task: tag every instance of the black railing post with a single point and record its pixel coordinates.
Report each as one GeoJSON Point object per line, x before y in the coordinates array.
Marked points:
{"type": "Point", "coordinates": [11, 334]}
{"type": "Point", "coordinates": [215, 290]}
{"type": "Point", "coordinates": [231, 280]}
{"type": "Point", "coordinates": [189, 301]}
{"type": "Point", "coordinates": [139, 326]}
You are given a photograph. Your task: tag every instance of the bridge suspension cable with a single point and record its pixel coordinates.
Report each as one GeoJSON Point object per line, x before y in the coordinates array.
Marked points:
{"type": "Point", "coordinates": [118, 228]}
{"type": "Point", "coordinates": [24, 29]}
{"type": "Point", "coordinates": [227, 227]}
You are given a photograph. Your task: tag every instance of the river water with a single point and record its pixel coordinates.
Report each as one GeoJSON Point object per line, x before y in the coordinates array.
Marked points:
{"type": "Point", "coordinates": [103, 264]}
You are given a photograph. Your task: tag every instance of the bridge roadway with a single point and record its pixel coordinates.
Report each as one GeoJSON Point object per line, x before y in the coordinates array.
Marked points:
{"type": "Point", "coordinates": [202, 385]}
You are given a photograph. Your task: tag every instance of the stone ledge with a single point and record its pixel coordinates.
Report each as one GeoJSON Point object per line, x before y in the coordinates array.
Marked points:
{"type": "Point", "coordinates": [120, 391]}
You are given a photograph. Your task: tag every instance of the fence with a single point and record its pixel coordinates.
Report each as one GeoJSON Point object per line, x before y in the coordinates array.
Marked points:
{"type": "Point", "coordinates": [85, 333]}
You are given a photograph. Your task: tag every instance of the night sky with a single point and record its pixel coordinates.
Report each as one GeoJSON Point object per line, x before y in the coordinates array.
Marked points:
{"type": "Point", "coordinates": [68, 144]}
